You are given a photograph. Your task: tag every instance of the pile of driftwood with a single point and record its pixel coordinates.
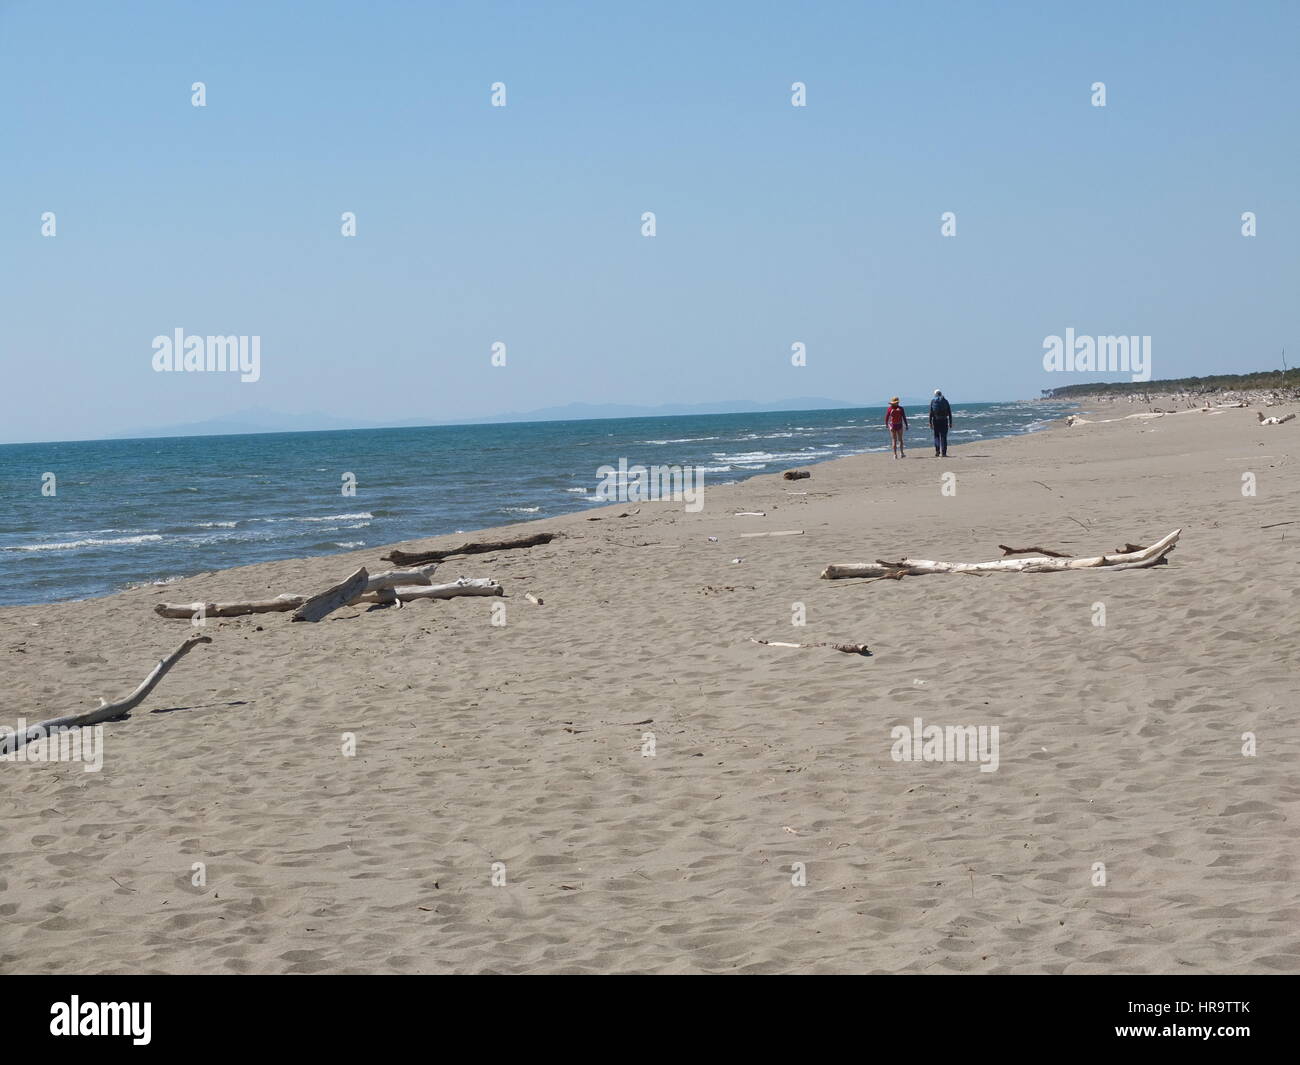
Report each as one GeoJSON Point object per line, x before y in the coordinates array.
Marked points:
{"type": "Point", "coordinates": [394, 586]}
{"type": "Point", "coordinates": [1130, 556]}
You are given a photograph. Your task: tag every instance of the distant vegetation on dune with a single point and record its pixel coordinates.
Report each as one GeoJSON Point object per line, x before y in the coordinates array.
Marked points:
{"type": "Point", "coordinates": [1264, 380]}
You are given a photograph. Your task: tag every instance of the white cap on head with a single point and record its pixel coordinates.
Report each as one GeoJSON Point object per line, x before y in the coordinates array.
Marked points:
{"type": "Point", "coordinates": [937, 392]}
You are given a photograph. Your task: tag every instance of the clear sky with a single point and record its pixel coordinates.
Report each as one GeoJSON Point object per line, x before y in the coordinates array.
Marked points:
{"type": "Point", "coordinates": [522, 224]}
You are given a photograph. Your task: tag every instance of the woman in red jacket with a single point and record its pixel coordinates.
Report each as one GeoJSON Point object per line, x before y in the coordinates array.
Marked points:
{"type": "Point", "coordinates": [896, 422]}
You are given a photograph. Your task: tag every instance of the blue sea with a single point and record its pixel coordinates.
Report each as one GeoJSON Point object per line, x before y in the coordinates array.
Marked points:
{"type": "Point", "coordinates": [145, 511]}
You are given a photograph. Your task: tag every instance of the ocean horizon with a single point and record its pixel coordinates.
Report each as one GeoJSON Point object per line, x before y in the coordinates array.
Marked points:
{"type": "Point", "coordinates": [148, 511]}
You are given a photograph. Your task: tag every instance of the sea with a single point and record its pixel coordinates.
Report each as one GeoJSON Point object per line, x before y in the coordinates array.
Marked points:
{"type": "Point", "coordinates": [87, 518]}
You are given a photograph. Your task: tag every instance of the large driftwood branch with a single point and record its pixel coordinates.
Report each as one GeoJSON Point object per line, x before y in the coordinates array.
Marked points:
{"type": "Point", "coordinates": [230, 610]}
{"type": "Point", "coordinates": [463, 586]}
{"type": "Point", "coordinates": [1148, 556]}
{"type": "Point", "coordinates": [415, 558]}
{"type": "Point", "coordinates": [105, 711]}
{"type": "Point", "coordinates": [326, 602]}
{"type": "Point", "coordinates": [393, 577]}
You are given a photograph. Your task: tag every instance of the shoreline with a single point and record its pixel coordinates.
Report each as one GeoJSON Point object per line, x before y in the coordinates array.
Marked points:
{"type": "Point", "coordinates": [646, 777]}
{"type": "Point", "coordinates": [490, 531]}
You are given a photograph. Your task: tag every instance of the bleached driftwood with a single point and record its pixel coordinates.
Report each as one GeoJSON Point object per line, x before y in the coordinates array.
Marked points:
{"type": "Point", "coordinates": [230, 610]}
{"type": "Point", "coordinates": [1147, 556]}
{"type": "Point", "coordinates": [779, 532]}
{"type": "Point", "coordinates": [463, 586]}
{"type": "Point", "coordinates": [1274, 421]}
{"type": "Point", "coordinates": [389, 579]}
{"type": "Point", "coordinates": [326, 602]}
{"type": "Point", "coordinates": [536, 600]}
{"type": "Point", "coordinates": [105, 711]}
{"type": "Point", "coordinates": [394, 577]}
{"type": "Point", "coordinates": [415, 558]}
{"type": "Point", "coordinates": [847, 648]}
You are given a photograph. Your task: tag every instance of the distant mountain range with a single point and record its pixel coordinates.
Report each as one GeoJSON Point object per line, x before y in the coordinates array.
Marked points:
{"type": "Point", "coordinates": [261, 420]}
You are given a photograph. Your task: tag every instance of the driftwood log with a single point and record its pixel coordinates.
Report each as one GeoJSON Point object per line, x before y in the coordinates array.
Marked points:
{"type": "Point", "coordinates": [463, 586]}
{"type": "Point", "coordinates": [415, 558]}
{"type": "Point", "coordinates": [796, 475]}
{"type": "Point", "coordinates": [105, 711]}
{"type": "Point", "coordinates": [328, 601]}
{"type": "Point", "coordinates": [230, 610]}
{"type": "Point", "coordinates": [1147, 556]}
{"type": "Point", "coordinates": [847, 648]}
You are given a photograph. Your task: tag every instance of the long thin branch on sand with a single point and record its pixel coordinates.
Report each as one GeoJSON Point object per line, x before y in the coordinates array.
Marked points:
{"type": "Point", "coordinates": [416, 558]}
{"type": "Point", "coordinates": [1141, 559]}
{"type": "Point", "coordinates": [105, 711]}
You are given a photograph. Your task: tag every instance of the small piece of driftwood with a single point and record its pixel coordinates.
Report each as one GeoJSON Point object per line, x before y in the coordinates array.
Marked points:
{"type": "Point", "coordinates": [415, 558]}
{"type": "Point", "coordinates": [1030, 551]}
{"type": "Point", "coordinates": [105, 711]}
{"type": "Point", "coordinates": [536, 600]}
{"type": "Point", "coordinates": [846, 648]}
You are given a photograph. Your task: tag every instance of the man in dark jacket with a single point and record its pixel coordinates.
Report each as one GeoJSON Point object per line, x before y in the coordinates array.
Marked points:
{"type": "Point", "coordinates": [940, 422]}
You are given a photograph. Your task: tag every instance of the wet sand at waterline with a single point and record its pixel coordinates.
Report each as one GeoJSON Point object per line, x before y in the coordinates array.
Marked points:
{"type": "Point", "coordinates": [523, 744]}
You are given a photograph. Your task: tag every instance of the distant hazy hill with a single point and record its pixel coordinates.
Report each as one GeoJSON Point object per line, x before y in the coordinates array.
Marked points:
{"type": "Point", "coordinates": [261, 420]}
{"type": "Point", "coordinates": [1228, 382]}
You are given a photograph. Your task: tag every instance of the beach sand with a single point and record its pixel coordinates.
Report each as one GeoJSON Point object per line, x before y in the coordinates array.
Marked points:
{"type": "Point", "coordinates": [522, 744]}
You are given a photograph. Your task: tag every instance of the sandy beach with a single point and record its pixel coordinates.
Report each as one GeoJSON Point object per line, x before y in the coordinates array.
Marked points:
{"type": "Point", "coordinates": [652, 786]}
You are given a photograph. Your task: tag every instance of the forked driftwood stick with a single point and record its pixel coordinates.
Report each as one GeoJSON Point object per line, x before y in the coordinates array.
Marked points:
{"type": "Point", "coordinates": [1148, 556]}
{"type": "Point", "coordinates": [105, 711]}
{"type": "Point", "coordinates": [1030, 551]}
{"type": "Point", "coordinates": [847, 648]}
{"type": "Point", "coordinates": [415, 558]}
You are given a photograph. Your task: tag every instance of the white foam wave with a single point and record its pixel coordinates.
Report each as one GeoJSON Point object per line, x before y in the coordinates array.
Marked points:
{"type": "Point", "coordinates": [70, 545]}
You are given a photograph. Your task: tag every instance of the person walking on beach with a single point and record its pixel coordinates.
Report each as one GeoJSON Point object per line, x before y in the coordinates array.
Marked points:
{"type": "Point", "coordinates": [896, 422]}
{"type": "Point", "coordinates": [940, 422]}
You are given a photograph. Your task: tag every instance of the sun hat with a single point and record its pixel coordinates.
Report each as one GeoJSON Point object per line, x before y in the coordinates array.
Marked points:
{"type": "Point", "coordinates": [894, 400]}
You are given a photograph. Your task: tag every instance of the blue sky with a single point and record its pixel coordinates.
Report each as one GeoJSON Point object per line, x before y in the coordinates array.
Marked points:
{"type": "Point", "coordinates": [521, 224]}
